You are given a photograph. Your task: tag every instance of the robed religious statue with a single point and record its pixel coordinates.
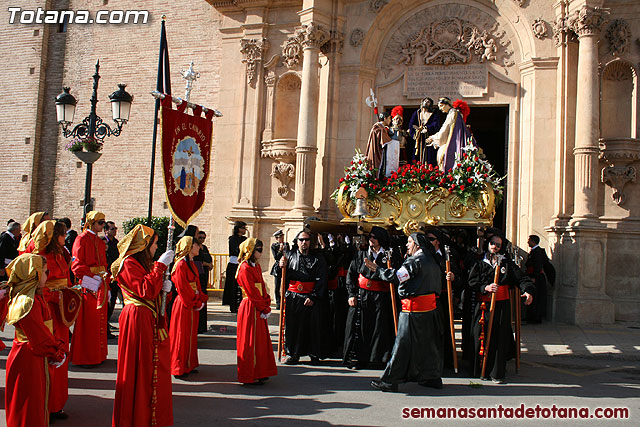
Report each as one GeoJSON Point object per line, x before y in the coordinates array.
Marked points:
{"type": "Point", "coordinates": [454, 135]}
{"type": "Point", "coordinates": [378, 153]}
{"type": "Point", "coordinates": [425, 121]}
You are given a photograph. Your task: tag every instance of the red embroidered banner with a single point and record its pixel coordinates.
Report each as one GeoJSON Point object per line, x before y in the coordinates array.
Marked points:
{"type": "Point", "coordinates": [186, 150]}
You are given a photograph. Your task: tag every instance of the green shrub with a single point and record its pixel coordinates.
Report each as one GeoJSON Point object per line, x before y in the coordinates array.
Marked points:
{"type": "Point", "coordinates": [159, 225]}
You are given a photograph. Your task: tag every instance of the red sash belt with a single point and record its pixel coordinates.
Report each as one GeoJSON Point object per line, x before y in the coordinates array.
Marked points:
{"type": "Point", "coordinates": [333, 284]}
{"type": "Point", "coordinates": [373, 285]}
{"type": "Point", "coordinates": [420, 303]}
{"type": "Point", "coordinates": [302, 287]}
{"type": "Point", "coordinates": [342, 272]}
{"type": "Point", "coordinates": [501, 295]}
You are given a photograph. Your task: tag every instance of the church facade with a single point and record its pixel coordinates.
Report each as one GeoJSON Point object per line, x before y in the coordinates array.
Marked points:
{"type": "Point", "coordinates": [552, 85]}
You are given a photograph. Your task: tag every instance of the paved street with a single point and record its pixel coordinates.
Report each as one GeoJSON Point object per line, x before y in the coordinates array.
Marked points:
{"type": "Point", "coordinates": [563, 365]}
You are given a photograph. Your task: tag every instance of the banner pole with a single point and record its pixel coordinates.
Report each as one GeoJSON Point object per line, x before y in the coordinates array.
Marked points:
{"type": "Point", "coordinates": [163, 84]}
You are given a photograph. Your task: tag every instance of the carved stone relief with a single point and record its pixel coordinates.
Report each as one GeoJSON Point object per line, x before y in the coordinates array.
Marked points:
{"type": "Point", "coordinates": [356, 38]}
{"type": "Point", "coordinates": [619, 37]}
{"type": "Point", "coordinates": [616, 177]}
{"type": "Point", "coordinates": [292, 52]}
{"type": "Point", "coordinates": [539, 28]}
{"type": "Point", "coordinates": [284, 172]}
{"type": "Point", "coordinates": [619, 154]}
{"type": "Point", "coordinates": [376, 5]}
{"type": "Point", "coordinates": [448, 34]}
{"type": "Point", "coordinates": [335, 43]}
{"type": "Point", "coordinates": [617, 71]}
{"type": "Point", "coordinates": [252, 54]}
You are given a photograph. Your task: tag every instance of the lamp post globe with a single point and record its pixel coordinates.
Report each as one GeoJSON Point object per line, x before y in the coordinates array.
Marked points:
{"type": "Point", "coordinates": [65, 106]}
{"type": "Point", "coordinates": [121, 104]}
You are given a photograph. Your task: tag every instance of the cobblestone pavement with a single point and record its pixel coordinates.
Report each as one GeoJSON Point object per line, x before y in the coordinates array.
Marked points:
{"type": "Point", "coordinates": [562, 365]}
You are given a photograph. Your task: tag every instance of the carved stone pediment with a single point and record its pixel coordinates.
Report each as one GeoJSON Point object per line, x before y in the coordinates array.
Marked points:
{"type": "Point", "coordinates": [448, 34]}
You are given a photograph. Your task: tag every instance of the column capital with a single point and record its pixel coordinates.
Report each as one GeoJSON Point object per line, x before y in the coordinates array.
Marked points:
{"type": "Point", "coordinates": [312, 35]}
{"type": "Point", "coordinates": [588, 21]}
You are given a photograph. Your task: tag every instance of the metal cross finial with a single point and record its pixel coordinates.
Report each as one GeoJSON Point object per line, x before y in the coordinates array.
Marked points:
{"type": "Point", "coordinates": [190, 76]}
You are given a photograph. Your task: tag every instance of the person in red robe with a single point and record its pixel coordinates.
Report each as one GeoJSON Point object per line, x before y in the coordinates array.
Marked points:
{"type": "Point", "coordinates": [48, 241]}
{"type": "Point", "coordinates": [186, 307]}
{"type": "Point", "coordinates": [28, 228]}
{"type": "Point", "coordinates": [89, 266]}
{"type": "Point", "coordinates": [143, 383]}
{"type": "Point", "coordinates": [256, 362]}
{"type": "Point", "coordinates": [34, 346]}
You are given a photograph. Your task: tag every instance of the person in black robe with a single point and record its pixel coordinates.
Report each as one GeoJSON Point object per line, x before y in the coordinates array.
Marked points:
{"type": "Point", "coordinates": [232, 295]}
{"type": "Point", "coordinates": [502, 345]}
{"type": "Point", "coordinates": [277, 251]}
{"type": "Point", "coordinates": [204, 263]}
{"type": "Point", "coordinates": [9, 241]}
{"type": "Point", "coordinates": [437, 240]}
{"type": "Point", "coordinates": [306, 284]}
{"type": "Point", "coordinates": [342, 254]}
{"type": "Point", "coordinates": [535, 270]}
{"type": "Point", "coordinates": [417, 352]}
{"type": "Point", "coordinates": [369, 333]}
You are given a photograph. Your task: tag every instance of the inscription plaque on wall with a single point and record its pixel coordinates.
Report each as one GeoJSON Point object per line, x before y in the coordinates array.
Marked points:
{"type": "Point", "coordinates": [454, 81]}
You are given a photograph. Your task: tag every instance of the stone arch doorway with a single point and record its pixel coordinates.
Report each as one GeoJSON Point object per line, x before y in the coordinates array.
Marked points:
{"type": "Point", "coordinates": [467, 51]}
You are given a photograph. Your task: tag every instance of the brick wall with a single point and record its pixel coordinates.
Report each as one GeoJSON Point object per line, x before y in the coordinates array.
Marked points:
{"type": "Point", "coordinates": [128, 54]}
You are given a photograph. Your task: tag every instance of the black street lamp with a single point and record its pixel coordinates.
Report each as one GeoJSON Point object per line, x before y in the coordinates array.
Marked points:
{"type": "Point", "coordinates": [92, 130]}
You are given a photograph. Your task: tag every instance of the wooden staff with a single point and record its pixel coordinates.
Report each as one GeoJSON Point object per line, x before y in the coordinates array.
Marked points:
{"type": "Point", "coordinates": [492, 312]}
{"type": "Point", "coordinates": [394, 304]}
{"type": "Point", "coordinates": [518, 326]}
{"type": "Point", "coordinates": [451, 325]}
{"type": "Point", "coordinates": [281, 351]}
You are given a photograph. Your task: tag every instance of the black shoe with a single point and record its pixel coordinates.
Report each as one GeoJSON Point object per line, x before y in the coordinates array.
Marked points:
{"type": "Point", "coordinates": [352, 364]}
{"type": "Point", "coordinates": [181, 377]}
{"type": "Point", "coordinates": [314, 361]}
{"type": "Point", "coordinates": [383, 386]}
{"type": "Point", "coordinates": [433, 383]}
{"type": "Point", "coordinates": [291, 360]}
{"type": "Point", "coordinates": [60, 415]}
{"type": "Point", "coordinates": [263, 380]}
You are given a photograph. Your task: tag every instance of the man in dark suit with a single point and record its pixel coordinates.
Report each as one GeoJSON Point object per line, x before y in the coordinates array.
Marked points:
{"type": "Point", "coordinates": [535, 269]}
{"type": "Point", "coordinates": [278, 249]}
{"type": "Point", "coordinates": [9, 241]}
{"type": "Point", "coordinates": [109, 238]}
{"type": "Point", "coordinates": [71, 234]}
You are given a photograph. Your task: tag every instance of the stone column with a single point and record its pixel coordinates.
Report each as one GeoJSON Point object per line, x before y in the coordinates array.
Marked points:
{"type": "Point", "coordinates": [587, 23]}
{"type": "Point", "coordinates": [311, 37]}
